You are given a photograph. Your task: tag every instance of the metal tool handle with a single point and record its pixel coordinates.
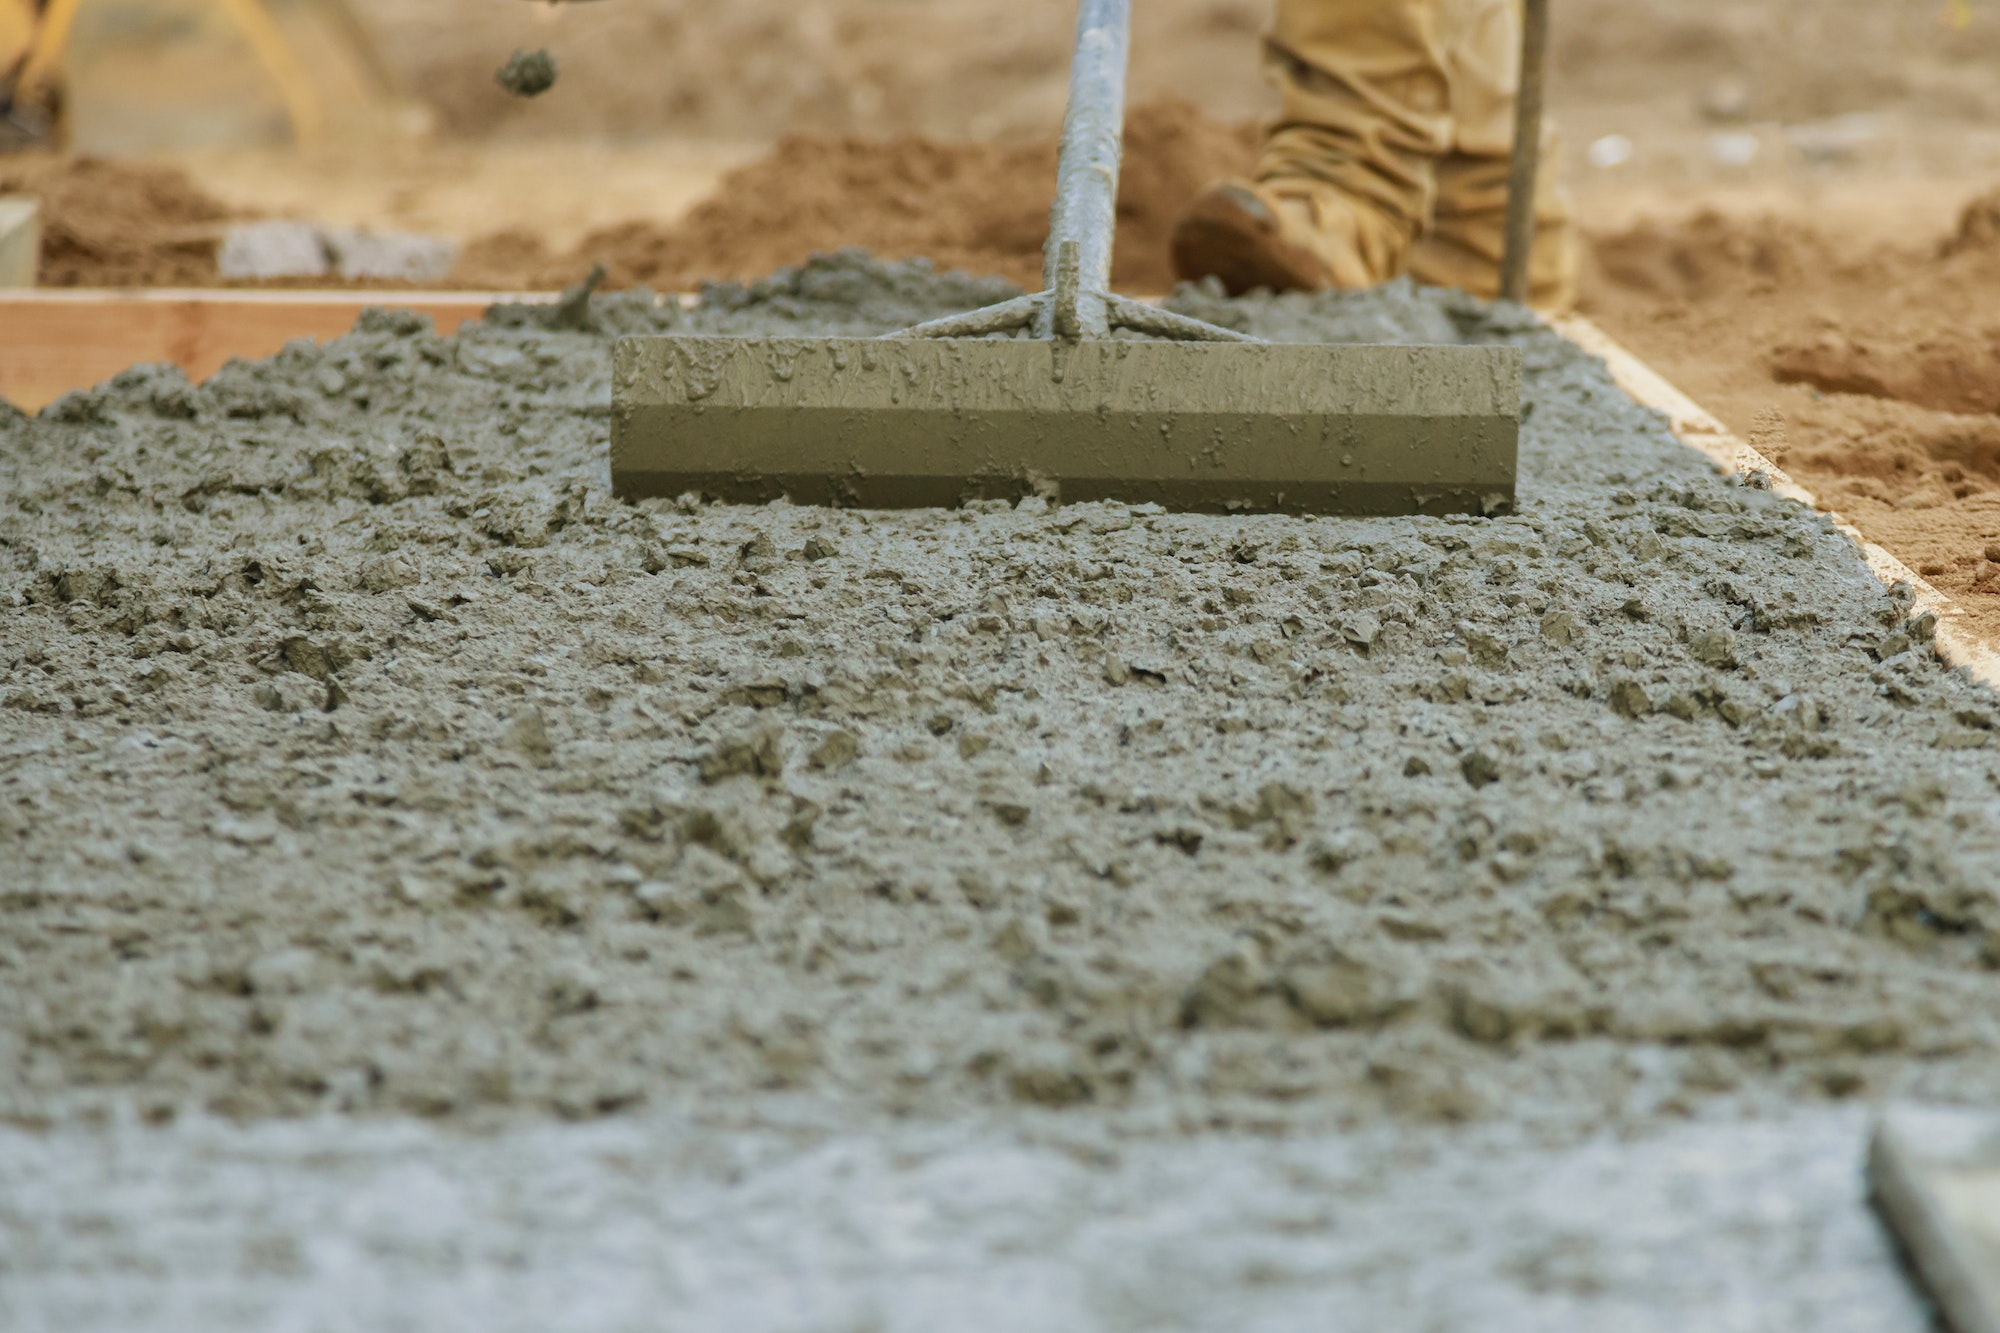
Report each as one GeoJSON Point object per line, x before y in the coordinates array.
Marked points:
{"type": "Point", "coordinates": [1524, 171]}
{"type": "Point", "coordinates": [1085, 211]}
{"type": "Point", "coordinates": [1077, 302]}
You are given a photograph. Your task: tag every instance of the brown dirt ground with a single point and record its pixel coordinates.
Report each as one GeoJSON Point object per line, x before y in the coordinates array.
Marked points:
{"type": "Point", "coordinates": [118, 224]}
{"type": "Point", "coordinates": [955, 69]}
{"type": "Point", "coordinates": [1871, 374]}
{"type": "Point", "coordinates": [977, 206]}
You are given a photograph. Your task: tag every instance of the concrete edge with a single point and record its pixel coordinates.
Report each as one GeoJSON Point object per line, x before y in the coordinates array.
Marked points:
{"type": "Point", "coordinates": [1901, 1163]}
{"type": "Point", "coordinates": [1693, 425]}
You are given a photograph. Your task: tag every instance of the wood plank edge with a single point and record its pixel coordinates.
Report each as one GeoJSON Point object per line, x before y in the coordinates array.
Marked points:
{"type": "Point", "coordinates": [301, 296]}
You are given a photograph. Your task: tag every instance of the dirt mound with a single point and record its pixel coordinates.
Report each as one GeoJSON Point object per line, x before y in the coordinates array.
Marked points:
{"type": "Point", "coordinates": [1707, 256]}
{"type": "Point", "coordinates": [119, 224]}
{"type": "Point", "coordinates": [1874, 372]}
{"type": "Point", "coordinates": [976, 206]}
{"type": "Point", "coordinates": [1954, 370]}
{"type": "Point", "coordinates": [1978, 226]}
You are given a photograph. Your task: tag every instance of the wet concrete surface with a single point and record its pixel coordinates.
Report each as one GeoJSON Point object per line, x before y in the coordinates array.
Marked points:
{"type": "Point", "coordinates": [361, 756]}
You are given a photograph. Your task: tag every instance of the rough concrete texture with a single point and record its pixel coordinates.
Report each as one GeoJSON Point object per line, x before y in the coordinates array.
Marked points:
{"type": "Point", "coordinates": [252, 251]}
{"type": "Point", "coordinates": [359, 753]}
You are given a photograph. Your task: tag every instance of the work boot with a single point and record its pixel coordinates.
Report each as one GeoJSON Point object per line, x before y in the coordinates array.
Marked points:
{"type": "Point", "coordinates": [1389, 155]}
{"type": "Point", "coordinates": [1284, 235]}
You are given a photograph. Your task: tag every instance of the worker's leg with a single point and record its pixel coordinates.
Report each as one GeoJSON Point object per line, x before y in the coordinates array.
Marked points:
{"type": "Point", "coordinates": [1345, 181]}
{"type": "Point", "coordinates": [1391, 151]}
{"type": "Point", "coordinates": [1467, 235]}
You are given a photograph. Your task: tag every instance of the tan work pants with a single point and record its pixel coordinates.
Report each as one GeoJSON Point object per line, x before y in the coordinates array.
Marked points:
{"type": "Point", "coordinates": [1408, 107]}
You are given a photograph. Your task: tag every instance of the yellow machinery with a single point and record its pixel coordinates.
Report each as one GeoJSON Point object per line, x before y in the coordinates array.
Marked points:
{"type": "Point", "coordinates": [35, 37]}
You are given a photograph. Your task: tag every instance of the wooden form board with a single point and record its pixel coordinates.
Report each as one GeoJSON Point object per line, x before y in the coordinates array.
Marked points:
{"type": "Point", "coordinates": [1934, 1174]}
{"type": "Point", "coordinates": [1956, 643]}
{"type": "Point", "coordinates": [54, 340]}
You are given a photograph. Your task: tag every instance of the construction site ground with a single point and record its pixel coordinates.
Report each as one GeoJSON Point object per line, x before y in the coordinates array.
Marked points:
{"type": "Point", "coordinates": [442, 896]}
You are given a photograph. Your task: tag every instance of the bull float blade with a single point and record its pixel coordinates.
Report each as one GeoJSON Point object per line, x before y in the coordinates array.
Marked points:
{"type": "Point", "coordinates": [1216, 427]}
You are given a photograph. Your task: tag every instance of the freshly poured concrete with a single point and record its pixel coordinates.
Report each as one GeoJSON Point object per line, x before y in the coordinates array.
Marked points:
{"type": "Point", "coordinates": [1210, 427]}
{"type": "Point", "coordinates": [361, 756]}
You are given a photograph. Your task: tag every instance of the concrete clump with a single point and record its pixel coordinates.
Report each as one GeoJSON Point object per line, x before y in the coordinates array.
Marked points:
{"type": "Point", "coordinates": [1264, 819]}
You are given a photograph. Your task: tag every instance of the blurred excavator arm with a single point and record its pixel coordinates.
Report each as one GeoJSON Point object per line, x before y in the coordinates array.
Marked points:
{"type": "Point", "coordinates": [35, 33]}
{"type": "Point", "coordinates": [17, 33]}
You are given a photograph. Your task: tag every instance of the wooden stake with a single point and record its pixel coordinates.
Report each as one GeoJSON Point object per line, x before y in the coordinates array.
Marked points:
{"type": "Point", "coordinates": [20, 241]}
{"type": "Point", "coordinates": [1524, 171]}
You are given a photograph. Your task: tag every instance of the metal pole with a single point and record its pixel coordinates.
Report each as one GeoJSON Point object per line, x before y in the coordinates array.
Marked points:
{"type": "Point", "coordinates": [1523, 171]}
{"type": "Point", "coordinates": [1076, 302]}
{"type": "Point", "coordinates": [1085, 212]}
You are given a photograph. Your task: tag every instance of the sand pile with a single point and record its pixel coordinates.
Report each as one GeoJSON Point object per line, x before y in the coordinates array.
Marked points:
{"type": "Point", "coordinates": [976, 206]}
{"type": "Point", "coordinates": [118, 224]}
{"type": "Point", "coordinates": [1873, 376]}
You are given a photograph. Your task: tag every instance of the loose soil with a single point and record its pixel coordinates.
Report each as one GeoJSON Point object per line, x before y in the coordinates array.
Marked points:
{"type": "Point", "coordinates": [362, 754]}
{"type": "Point", "coordinates": [1872, 374]}
{"type": "Point", "coordinates": [118, 224]}
{"type": "Point", "coordinates": [976, 206]}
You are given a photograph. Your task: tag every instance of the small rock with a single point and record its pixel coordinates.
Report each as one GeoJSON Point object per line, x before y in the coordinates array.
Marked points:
{"type": "Point", "coordinates": [1715, 648]}
{"type": "Point", "coordinates": [394, 256]}
{"type": "Point", "coordinates": [306, 657]}
{"type": "Point", "coordinates": [1234, 992]}
{"type": "Point", "coordinates": [1486, 650]}
{"type": "Point", "coordinates": [262, 251]}
{"type": "Point", "coordinates": [527, 73]}
{"type": "Point", "coordinates": [760, 754]}
{"type": "Point", "coordinates": [1479, 768]}
{"type": "Point", "coordinates": [1361, 629]}
{"type": "Point", "coordinates": [1013, 814]}
{"type": "Point", "coordinates": [1339, 992]}
{"type": "Point", "coordinates": [1629, 698]}
{"type": "Point", "coordinates": [837, 750]}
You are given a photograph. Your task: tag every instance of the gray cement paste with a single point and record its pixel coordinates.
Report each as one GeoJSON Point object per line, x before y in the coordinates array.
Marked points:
{"type": "Point", "coordinates": [359, 754]}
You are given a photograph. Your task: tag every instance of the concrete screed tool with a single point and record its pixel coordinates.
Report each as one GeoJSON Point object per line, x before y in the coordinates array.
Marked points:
{"type": "Point", "coordinates": [1054, 394]}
